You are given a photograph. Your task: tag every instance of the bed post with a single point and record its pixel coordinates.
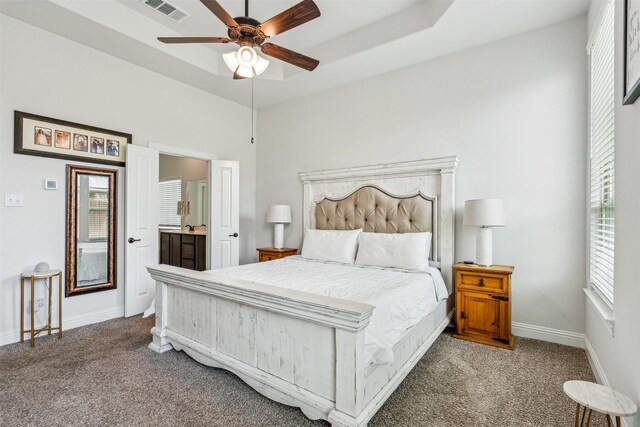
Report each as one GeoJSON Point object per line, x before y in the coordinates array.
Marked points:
{"type": "Point", "coordinates": [350, 378]}
{"type": "Point", "coordinates": [307, 203]}
{"type": "Point", "coordinates": [447, 221]}
{"type": "Point", "coordinates": [159, 331]}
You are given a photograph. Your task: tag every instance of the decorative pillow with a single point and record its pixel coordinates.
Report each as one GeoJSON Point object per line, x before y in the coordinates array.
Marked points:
{"type": "Point", "coordinates": [331, 245]}
{"type": "Point", "coordinates": [409, 251]}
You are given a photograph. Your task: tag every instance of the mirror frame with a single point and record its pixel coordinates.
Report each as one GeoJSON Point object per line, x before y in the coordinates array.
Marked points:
{"type": "Point", "coordinates": [72, 218]}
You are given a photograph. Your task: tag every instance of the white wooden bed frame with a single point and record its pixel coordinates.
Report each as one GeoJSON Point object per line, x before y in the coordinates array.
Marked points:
{"type": "Point", "coordinates": [298, 348]}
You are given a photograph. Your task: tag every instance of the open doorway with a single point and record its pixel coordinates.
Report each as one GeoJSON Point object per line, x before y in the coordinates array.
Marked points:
{"type": "Point", "coordinates": [221, 217]}
{"type": "Point", "coordinates": [183, 211]}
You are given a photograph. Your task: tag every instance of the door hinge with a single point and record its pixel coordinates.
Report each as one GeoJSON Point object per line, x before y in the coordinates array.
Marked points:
{"type": "Point", "coordinates": [501, 298]}
{"type": "Point", "coordinates": [462, 314]}
{"type": "Point", "coordinates": [502, 340]}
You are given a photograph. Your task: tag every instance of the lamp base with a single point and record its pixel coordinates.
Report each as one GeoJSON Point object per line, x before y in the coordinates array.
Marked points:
{"type": "Point", "coordinates": [278, 236]}
{"type": "Point", "coordinates": [484, 242]}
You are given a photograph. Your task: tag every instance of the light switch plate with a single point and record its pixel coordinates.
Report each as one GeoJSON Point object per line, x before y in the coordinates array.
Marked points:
{"type": "Point", "coordinates": [14, 199]}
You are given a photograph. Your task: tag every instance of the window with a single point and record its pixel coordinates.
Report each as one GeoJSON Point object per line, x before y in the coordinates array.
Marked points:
{"type": "Point", "coordinates": [168, 198]}
{"type": "Point", "coordinates": [98, 213]}
{"type": "Point", "coordinates": [602, 158]}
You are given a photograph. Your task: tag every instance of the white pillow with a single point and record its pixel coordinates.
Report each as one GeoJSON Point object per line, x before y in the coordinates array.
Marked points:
{"type": "Point", "coordinates": [409, 251]}
{"type": "Point", "coordinates": [331, 245]}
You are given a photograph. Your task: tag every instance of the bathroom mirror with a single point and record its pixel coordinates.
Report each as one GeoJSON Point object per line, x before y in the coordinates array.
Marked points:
{"type": "Point", "coordinates": [91, 230]}
{"type": "Point", "coordinates": [197, 198]}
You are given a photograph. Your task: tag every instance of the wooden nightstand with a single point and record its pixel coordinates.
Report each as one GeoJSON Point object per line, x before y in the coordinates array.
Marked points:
{"type": "Point", "coordinates": [268, 254]}
{"type": "Point", "coordinates": [483, 304]}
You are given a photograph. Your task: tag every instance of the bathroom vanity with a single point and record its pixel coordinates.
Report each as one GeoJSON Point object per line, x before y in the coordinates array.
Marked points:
{"type": "Point", "coordinates": [186, 249]}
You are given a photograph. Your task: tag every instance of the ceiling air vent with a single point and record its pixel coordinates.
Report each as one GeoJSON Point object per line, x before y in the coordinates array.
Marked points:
{"type": "Point", "coordinates": [167, 9]}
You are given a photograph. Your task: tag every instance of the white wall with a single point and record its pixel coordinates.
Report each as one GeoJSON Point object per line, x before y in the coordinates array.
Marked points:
{"type": "Point", "coordinates": [45, 74]}
{"type": "Point", "coordinates": [514, 111]}
{"type": "Point", "coordinates": [617, 355]}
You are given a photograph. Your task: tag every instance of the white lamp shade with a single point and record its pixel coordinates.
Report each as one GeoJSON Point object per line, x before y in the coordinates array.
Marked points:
{"type": "Point", "coordinates": [484, 213]}
{"type": "Point", "coordinates": [280, 214]}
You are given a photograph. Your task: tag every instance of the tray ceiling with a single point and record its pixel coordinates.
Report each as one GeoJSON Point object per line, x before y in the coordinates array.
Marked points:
{"type": "Point", "coordinates": [353, 39]}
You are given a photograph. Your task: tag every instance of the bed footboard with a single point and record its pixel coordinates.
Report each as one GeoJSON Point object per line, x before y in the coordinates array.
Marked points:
{"type": "Point", "coordinates": [296, 348]}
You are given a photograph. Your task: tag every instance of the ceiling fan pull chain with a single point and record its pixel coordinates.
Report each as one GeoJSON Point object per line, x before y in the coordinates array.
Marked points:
{"type": "Point", "coordinates": [252, 81]}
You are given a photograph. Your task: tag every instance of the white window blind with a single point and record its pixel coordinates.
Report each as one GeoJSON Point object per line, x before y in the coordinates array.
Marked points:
{"type": "Point", "coordinates": [98, 213]}
{"type": "Point", "coordinates": [602, 157]}
{"type": "Point", "coordinates": [168, 197]}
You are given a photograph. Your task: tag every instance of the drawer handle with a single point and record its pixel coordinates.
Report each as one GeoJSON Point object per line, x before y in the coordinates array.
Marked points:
{"type": "Point", "coordinates": [481, 283]}
{"type": "Point", "coordinates": [501, 298]}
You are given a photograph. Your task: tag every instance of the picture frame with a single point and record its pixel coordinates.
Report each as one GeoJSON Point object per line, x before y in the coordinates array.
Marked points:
{"type": "Point", "coordinates": [631, 78]}
{"type": "Point", "coordinates": [36, 135]}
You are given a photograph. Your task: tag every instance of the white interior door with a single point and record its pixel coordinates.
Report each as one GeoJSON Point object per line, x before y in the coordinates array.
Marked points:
{"type": "Point", "coordinates": [225, 213]}
{"type": "Point", "coordinates": [141, 227]}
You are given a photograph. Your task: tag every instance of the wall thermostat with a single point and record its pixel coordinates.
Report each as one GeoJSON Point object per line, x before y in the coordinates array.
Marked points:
{"type": "Point", "coordinates": [50, 184]}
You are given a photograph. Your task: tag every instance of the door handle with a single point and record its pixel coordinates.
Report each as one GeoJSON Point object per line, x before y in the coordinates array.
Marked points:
{"type": "Point", "coordinates": [233, 235]}
{"type": "Point", "coordinates": [131, 240]}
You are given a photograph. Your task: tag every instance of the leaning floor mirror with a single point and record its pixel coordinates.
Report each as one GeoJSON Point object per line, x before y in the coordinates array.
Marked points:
{"type": "Point", "coordinates": [91, 230]}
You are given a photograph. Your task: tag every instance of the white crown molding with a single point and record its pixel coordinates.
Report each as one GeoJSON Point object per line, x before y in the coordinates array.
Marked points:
{"type": "Point", "coordinates": [401, 169]}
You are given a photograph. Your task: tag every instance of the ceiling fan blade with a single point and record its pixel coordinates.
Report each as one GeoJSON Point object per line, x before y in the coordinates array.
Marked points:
{"type": "Point", "coordinates": [194, 39]}
{"type": "Point", "coordinates": [219, 11]}
{"type": "Point", "coordinates": [289, 56]}
{"type": "Point", "coordinates": [303, 12]}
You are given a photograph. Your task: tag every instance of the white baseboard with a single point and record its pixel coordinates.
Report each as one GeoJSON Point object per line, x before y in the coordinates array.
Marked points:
{"type": "Point", "coordinates": [596, 367]}
{"type": "Point", "coordinates": [598, 370]}
{"type": "Point", "coordinates": [558, 336]}
{"type": "Point", "coordinates": [10, 337]}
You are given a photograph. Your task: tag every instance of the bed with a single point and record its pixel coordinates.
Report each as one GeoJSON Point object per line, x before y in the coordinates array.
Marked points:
{"type": "Point", "coordinates": [311, 334]}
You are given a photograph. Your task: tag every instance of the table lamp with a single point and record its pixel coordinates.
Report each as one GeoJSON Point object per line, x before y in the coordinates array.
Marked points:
{"type": "Point", "coordinates": [278, 215]}
{"type": "Point", "coordinates": [484, 213]}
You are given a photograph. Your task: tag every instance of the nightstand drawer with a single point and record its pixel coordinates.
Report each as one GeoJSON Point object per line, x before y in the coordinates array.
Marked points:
{"type": "Point", "coordinates": [482, 282]}
{"type": "Point", "coordinates": [270, 254]}
{"type": "Point", "coordinates": [268, 257]}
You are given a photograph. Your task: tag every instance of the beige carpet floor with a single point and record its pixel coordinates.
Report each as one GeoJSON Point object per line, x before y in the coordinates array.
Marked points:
{"type": "Point", "coordinates": [104, 375]}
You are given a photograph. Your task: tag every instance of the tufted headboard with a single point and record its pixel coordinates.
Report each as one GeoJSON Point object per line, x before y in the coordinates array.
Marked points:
{"type": "Point", "coordinates": [376, 211]}
{"type": "Point", "coordinates": [389, 198]}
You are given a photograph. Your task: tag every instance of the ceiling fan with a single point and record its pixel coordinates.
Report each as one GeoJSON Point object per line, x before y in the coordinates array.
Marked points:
{"type": "Point", "coordinates": [249, 33]}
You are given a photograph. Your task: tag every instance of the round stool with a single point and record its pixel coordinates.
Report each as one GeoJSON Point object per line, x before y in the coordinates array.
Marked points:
{"type": "Point", "coordinates": [599, 398]}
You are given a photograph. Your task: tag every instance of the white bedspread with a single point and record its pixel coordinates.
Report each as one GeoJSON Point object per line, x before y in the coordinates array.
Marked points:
{"type": "Point", "coordinates": [401, 298]}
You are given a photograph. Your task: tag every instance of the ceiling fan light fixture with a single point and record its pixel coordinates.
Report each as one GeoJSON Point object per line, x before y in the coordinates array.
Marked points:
{"type": "Point", "coordinates": [231, 59]}
{"type": "Point", "coordinates": [246, 72]}
{"type": "Point", "coordinates": [247, 57]}
{"type": "Point", "coordinates": [260, 65]}
{"type": "Point", "coordinates": [237, 65]}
